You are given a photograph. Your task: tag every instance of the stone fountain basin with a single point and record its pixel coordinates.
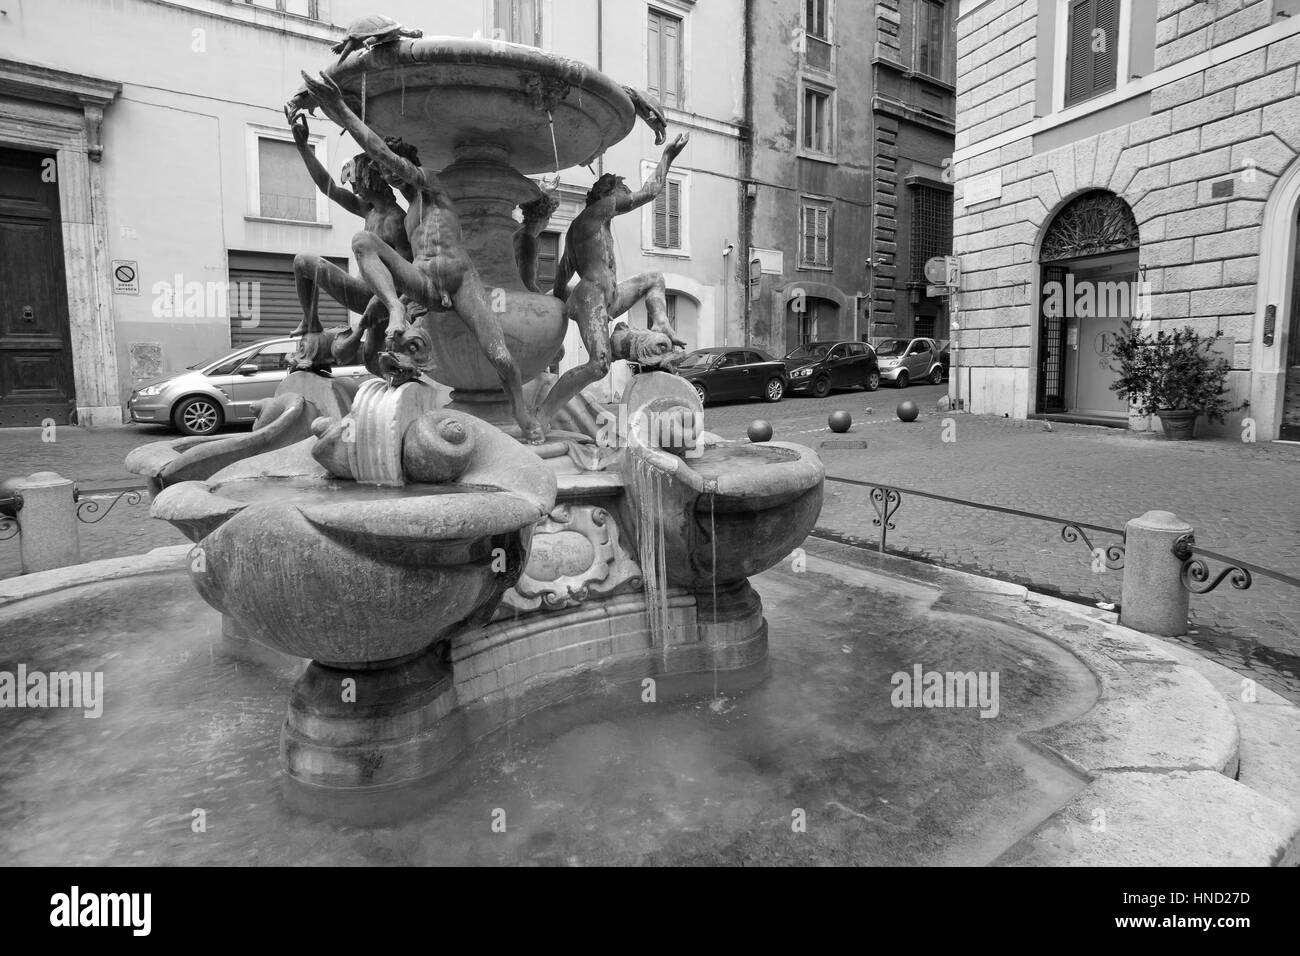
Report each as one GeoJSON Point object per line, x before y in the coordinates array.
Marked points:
{"type": "Point", "coordinates": [440, 92]}
{"type": "Point", "coordinates": [734, 511]}
{"type": "Point", "coordinates": [345, 574]}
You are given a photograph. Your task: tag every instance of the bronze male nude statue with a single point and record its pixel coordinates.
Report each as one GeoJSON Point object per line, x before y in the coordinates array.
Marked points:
{"type": "Point", "coordinates": [441, 277]}
{"type": "Point", "coordinates": [599, 297]}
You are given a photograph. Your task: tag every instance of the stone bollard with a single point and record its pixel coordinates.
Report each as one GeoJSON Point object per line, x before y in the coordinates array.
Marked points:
{"type": "Point", "coordinates": [47, 522]}
{"type": "Point", "coordinates": [1153, 599]}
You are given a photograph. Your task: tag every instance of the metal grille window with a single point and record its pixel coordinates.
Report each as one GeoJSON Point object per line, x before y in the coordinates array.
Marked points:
{"type": "Point", "coordinates": [1092, 51]}
{"type": "Point", "coordinates": [668, 216]}
{"type": "Point", "coordinates": [815, 249]}
{"type": "Point", "coordinates": [929, 38]}
{"type": "Point", "coordinates": [817, 119]}
{"type": "Point", "coordinates": [923, 326]}
{"type": "Point", "coordinates": [520, 21]}
{"type": "Point", "coordinates": [931, 227]}
{"type": "Point", "coordinates": [664, 58]}
{"type": "Point", "coordinates": [285, 190]}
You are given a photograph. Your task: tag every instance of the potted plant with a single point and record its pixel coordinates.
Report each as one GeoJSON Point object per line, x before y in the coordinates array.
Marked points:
{"type": "Point", "coordinates": [1176, 376]}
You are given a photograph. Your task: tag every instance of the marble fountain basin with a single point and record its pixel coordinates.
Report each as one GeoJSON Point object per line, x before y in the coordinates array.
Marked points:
{"type": "Point", "coordinates": [352, 574]}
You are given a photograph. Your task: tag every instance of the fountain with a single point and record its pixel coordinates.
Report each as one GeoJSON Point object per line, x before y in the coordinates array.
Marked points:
{"type": "Point", "coordinates": [447, 570]}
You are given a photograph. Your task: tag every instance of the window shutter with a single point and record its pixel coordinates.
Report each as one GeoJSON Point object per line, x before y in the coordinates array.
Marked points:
{"type": "Point", "coordinates": [661, 221]}
{"type": "Point", "coordinates": [1105, 63]}
{"type": "Point", "coordinates": [671, 30]}
{"type": "Point", "coordinates": [653, 83]}
{"type": "Point", "coordinates": [1079, 61]}
{"type": "Point", "coordinates": [823, 237]}
{"type": "Point", "coordinates": [674, 214]}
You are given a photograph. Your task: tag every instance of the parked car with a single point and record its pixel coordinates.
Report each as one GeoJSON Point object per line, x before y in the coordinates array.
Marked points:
{"type": "Point", "coordinates": [722, 373]}
{"type": "Point", "coordinates": [945, 356]}
{"type": "Point", "coordinates": [817, 367]}
{"type": "Point", "coordinates": [903, 361]}
{"type": "Point", "coordinates": [201, 399]}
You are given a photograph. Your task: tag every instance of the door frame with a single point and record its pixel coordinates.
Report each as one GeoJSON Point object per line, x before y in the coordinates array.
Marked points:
{"type": "Point", "coordinates": [62, 113]}
{"type": "Point", "coordinates": [1277, 256]}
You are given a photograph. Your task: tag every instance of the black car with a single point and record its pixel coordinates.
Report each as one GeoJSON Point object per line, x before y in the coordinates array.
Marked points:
{"type": "Point", "coordinates": [817, 367]}
{"type": "Point", "coordinates": [722, 373]}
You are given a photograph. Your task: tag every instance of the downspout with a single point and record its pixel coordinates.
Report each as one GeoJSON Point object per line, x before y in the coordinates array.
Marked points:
{"type": "Point", "coordinates": [746, 175]}
{"type": "Point", "coordinates": [600, 66]}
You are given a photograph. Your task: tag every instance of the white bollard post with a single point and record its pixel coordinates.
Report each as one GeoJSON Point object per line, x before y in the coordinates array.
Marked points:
{"type": "Point", "coordinates": [1153, 598]}
{"type": "Point", "coordinates": [47, 522]}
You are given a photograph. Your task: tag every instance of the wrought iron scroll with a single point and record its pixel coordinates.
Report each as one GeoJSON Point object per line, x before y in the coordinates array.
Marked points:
{"type": "Point", "coordinates": [91, 506]}
{"type": "Point", "coordinates": [886, 501]}
{"type": "Point", "coordinates": [1113, 554]}
{"type": "Point", "coordinates": [1195, 572]}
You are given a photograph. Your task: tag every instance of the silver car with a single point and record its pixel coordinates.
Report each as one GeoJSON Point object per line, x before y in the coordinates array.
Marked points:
{"type": "Point", "coordinates": [201, 399]}
{"type": "Point", "coordinates": [903, 361]}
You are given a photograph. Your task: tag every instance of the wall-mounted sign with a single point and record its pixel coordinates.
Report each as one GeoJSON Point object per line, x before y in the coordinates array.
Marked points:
{"type": "Point", "coordinates": [983, 188]}
{"type": "Point", "coordinates": [773, 260]}
{"type": "Point", "coordinates": [126, 277]}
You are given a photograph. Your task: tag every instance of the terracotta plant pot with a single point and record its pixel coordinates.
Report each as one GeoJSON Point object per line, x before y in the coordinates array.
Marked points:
{"type": "Point", "coordinates": [1178, 424]}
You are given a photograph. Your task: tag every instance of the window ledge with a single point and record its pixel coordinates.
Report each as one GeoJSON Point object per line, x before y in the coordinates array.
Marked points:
{"type": "Point", "coordinates": [665, 253]}
{"type": "Point", "coordinates": [803, 266]}
{"type": "Point", "coordinates": [828, 158]}
{"type": "Point", "coordinates": [289, 222]}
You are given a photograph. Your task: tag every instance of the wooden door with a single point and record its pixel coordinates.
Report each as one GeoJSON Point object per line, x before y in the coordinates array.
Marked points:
{"type": "Point", "coordinates": [35, 343]}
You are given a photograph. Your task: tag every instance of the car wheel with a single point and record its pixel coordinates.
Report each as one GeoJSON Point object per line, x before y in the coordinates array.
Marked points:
{"type": "Point", "coordinates": [936, 376]}
{"type": "Point", "coordinates": [198, 415]}
{"type": "Point", "coordinates": [821, 387]}
{"type": "Point", "coordinates": [873, 381]}
{"type": "Point", "coordinates": [699, 390]}
{"type": "Point", "coordinates": [901, 381]}
{"type": "Point", "coordinates": [775, 390]}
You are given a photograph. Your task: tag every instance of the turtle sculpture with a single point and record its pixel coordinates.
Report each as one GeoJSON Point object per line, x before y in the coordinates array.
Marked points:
{"type": "Point", "coordinates": [372, 31]}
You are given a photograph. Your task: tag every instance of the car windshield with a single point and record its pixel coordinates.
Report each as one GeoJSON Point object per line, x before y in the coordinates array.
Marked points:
{"type": "Point", "coordinates": [697, 360]}
{"type": "Point", "coordinates": [891, 347]}
{"type": "Point", "coordinates": [812, 352]}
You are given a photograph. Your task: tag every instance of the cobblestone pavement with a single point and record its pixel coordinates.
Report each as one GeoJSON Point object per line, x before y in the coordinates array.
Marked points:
{"type": "Point", "coordinates": [1242, 499]}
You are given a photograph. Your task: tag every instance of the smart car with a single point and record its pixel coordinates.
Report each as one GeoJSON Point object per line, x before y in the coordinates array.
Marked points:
{"type": "Point", "coordinates": [903, 361]}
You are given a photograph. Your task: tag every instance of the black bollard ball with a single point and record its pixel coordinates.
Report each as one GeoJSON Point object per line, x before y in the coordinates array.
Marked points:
{"type": "Point", "coordinates": [840, 421]}
{"type": "Point", "coordinates": [760, 430]}
{"type": "Point", "coordinates": [907, 411]}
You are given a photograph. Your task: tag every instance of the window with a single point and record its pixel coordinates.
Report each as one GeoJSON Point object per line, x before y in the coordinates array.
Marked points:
{"type": "Point", "coordinates": [519, 21]}
{"type": "Point", "coordinates": [1092, 49]}
{"type": "Point", "coordinates": [929, 38]}
{"type": "Point", "coordinates": [284, 188]}
{"type": "Point", "coordinates": [815, 229]}
{"type": "Point", "coordinates": [808, 323]}
{"type": "Point", "coordinates": [924, 325]}
{"type": "Point", "coordinates": [670, 308]}
{"type": "Point", "coordinates": [666, 222]}
{"type": "Point", "coordinates": [302, 8]}
{"type": "Point", "coordinates": [815, 22]}
{"type": "Point", "coordinates": [668, 216]}
{"type": "Point", "coordinates": [931, 227]}
{"type": "Point", "coordinates": [273, 358]}
{"type": "Point", "coordinates": [818, 121]}
{"type": "Point", "coordinates": [548, 254]}
{"type": "Point", "coordinates": [664, 58]}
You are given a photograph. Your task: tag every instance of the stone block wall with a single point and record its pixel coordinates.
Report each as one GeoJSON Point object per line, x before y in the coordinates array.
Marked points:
{"type": "Point", "coordinates": [1197, 166]}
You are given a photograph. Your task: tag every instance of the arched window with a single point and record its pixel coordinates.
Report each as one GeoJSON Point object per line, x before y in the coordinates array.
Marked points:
{"type": "Point", "coordinates": [1093, 223]}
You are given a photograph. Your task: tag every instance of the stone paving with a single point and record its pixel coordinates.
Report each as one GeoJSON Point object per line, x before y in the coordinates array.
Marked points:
{"type": "Point", "coordinates": [1240, 498]}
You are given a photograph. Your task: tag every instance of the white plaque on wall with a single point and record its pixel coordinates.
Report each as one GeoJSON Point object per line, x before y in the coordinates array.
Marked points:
{"type": "Point", "coordinates": [983, 188]}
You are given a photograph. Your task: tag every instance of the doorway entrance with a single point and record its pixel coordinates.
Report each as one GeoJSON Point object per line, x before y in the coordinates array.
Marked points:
{"type": "Point", "coordinates": [35, 341]}
{"type": "Point", "coordinates": [1090, 287]}
{"type": "Point", "coordinates": [1290, 429]}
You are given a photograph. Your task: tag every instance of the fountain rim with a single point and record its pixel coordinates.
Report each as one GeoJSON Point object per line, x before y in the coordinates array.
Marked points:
{"type": "Point", "coordinates": [379, 69]}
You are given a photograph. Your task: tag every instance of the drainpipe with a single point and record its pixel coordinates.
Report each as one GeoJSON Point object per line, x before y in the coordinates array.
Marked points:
{"type": "Point", "coordinates": [746, 174]}
{"type": "Point", "coordinates": [600, 65]}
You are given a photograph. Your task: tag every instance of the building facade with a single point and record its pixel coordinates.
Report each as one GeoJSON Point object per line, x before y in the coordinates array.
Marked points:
{"type": "Point", "coordinates": [1144, 152]}
{"type": "Point", "coordinates": [850, 113]}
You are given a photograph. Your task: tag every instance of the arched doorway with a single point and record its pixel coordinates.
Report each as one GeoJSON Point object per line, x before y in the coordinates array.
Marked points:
{"type": "Point", "coordinates": [1090, 287]}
